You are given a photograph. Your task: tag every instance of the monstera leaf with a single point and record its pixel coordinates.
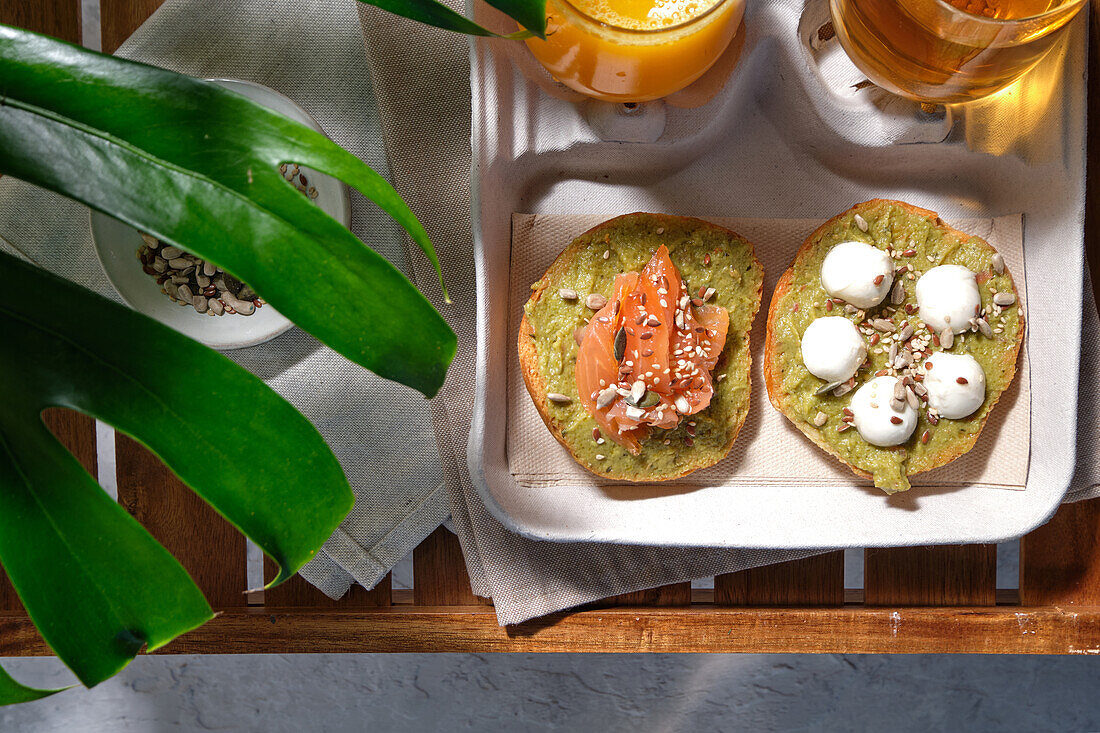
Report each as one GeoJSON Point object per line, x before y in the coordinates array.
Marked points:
{"type": "Point", "coordinates": [531, 14]}
{"type": "Point", "coordinates": [197, 166]}
{"type": "Point", "coordinates": [96, 584]}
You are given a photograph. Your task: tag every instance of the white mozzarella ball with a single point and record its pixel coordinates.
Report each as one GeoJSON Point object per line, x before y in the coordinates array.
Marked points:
{"type": "Point", "coordinates": [833, 349]}
{"type": "Point", "coordinates": [877, 422]}
{"type": "Point", "coordinates": [857, 273]}
{"type": "Point", "coordinates": [948, 297]}
{"type": "Point", "coordinates": [956, 384]}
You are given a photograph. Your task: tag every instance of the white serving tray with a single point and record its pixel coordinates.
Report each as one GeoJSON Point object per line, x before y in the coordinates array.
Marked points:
{"type": "Point", "coordinates": [786, 137]}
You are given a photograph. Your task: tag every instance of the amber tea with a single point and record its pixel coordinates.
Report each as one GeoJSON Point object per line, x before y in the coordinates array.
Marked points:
{"type": "Point", "coordinates": [949, 51]}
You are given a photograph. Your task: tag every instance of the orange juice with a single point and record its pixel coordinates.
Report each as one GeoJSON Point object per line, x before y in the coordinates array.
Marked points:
{"type": "Point", "coordinates": [634, 50]}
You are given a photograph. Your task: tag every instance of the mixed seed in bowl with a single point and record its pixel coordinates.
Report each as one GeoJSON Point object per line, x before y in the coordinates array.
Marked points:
{"type": "Point", "coordinates": [188, 280]}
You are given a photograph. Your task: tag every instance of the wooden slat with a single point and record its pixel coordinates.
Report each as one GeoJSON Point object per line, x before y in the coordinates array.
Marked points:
{"type": "Point", "coordinates": [665, 596]}
{"type": "Point", "coordinates": [77, 433]}
{"type": "Point", "coordinates": [812, 581]}
{"type": "Point", "coordinates": [950, 575]}
{"type": "Point", "coordinates": [297, 592]}
{"type": "Point", "coordinates": [119, 18]}
{"type": "Point", "coordinates": [58, 18]}
{"type": "Point", "coordinates": [208, 546]}
{"type": "Point", "coordinates": [1060, 561]}
{"type": "Point", "coordinates": [474, 629]}
{"type": "Point", "coordinates": [1092, 152]}
{"type": "Point", "coordinates": [439, 572]}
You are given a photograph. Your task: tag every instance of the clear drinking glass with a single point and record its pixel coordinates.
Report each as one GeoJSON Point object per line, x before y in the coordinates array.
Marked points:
{"type": "Point", "coordinates": [634, 50]}
{"type": "Point", "coordinates": [945, 52]}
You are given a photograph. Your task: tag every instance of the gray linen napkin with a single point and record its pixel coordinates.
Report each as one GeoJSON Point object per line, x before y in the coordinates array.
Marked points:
{"type": "Point", "coordinates": [424, 103]}
{"type": "Point", "coordinates": [311, 51]}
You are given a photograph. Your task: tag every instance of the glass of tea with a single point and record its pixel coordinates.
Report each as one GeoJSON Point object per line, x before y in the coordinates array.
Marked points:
{"type": "Point", "coordinates": [948, 51]}
{"type": "Point", "coordinates": [634, 50]}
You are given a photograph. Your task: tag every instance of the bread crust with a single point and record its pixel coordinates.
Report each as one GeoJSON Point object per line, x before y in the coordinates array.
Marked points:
{"type": "Point", "coordinates": [528, 352]}
{"type": "Point", "coordinates": [773, 374]}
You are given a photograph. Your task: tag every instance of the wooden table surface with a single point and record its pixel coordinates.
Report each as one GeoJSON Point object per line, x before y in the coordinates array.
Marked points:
{"type": "Point", "coordinates": [922, 599]}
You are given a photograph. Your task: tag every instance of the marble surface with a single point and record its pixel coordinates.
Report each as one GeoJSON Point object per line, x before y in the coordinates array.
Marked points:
{"type": "Point", "coordinates": [415, 692]}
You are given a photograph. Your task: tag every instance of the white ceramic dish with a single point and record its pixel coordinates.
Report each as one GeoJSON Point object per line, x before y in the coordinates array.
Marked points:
{"type": "Point", "coordinates": [778, 142]}
{"type": "Point", "coordinates": [116, 245]}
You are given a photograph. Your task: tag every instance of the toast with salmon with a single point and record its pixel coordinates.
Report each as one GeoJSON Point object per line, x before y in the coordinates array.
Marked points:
{"type": "Point", "coordinates": [634, 345]}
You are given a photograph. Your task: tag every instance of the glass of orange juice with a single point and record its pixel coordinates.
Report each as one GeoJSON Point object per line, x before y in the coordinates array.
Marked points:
{"type": "Point", "coordinates": [634, 50]}
{"type": "Point", "coordinates": [949, 51]}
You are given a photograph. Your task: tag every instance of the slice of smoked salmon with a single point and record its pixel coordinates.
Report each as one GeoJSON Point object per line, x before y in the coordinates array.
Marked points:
{"type": "Point", "coordinates": [597, 368]}
{"type": "Point", "coordinates": [648, 315]}
{"type": "Point", "coordinates": [670, 348]}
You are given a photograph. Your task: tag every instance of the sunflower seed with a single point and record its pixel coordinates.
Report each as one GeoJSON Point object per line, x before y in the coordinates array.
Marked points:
{"type": "Point", "coordinates": [861, 223]}
{"type": "Point", "coordinates": [899, 390]}
{"type": "Point", "coordinates": [708, 294]}
{"type": "Point", "coordinates": [983, 326]}
{"type": "Point", "coordinates": [907, 331]}
{"type": "Point", "coordinates": [911, 398]}
{"type": "Point", "coordinates": [568, 294]}
{"type": "Point", "coordinates": [947, 337]}
{"type": "Point", "coordinates": [170, 252]}
{"type": "Point", "coordinates": [637, 391]}
{"type": "Point", "coordinates": [682, 405]}
{"type": "Point", "coordinates": [559, 398]}
{"type": "Point", "coordinates": [828, 388]}
{"type": "Point", "coordinates": [881, 324]}
{"type": "Point", "coordinates": [896, 405]}
{"type": "Point", "coordinates": [820, 418]}
{"type": "Point", "coordinates": [1004, 299]}
{"type": "Point", "coordinates": [920, 389]}
{"type": "Point", "coordinates": [200, 304]}
{"type": "Point", "coordinates": [634, 413]}
{"type": "Point", "coordinates": [606, 397]}
{"type": "Point", "coordinates": [893, 353]}
{"type": "Point", "coordinates": [998, 263]}
{"type": "Point", "coordinates": [160, 264]}
{"type": "Point", "coordinates": [842, 390]}
{"type": "Point", "coordinates": [178, 263]}
{"type": "Point", "coordinates": [595, 301]}
{"type": "Point", "coordinates": [216, 306]}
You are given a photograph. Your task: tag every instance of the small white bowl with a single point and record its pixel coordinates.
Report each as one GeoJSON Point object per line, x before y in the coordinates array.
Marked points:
{"type": "Point", "coordinates": [117, 244]}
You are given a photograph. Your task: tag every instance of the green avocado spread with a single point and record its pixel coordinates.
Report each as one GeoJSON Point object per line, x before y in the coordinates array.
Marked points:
{"type": "Point", "coordinates": [706, 257]}
{"type": "Point", "coordinates": [917, 242]}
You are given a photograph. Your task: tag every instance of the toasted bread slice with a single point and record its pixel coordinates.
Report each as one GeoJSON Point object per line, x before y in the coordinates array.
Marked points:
{"type": "Point", "coordinates": [914, 235]}
{"type": "Point", "coordinates": [707, 256]}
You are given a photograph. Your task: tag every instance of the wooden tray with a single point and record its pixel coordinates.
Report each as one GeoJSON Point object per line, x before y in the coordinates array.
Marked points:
{"type": "Point", "coordinates": [914, 600]}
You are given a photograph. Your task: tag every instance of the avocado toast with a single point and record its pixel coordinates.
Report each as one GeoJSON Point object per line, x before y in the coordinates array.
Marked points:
{"type": "Point", "coordinates": [938, 349]}
{"type": "Point", "coordinates": [634, 345]}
